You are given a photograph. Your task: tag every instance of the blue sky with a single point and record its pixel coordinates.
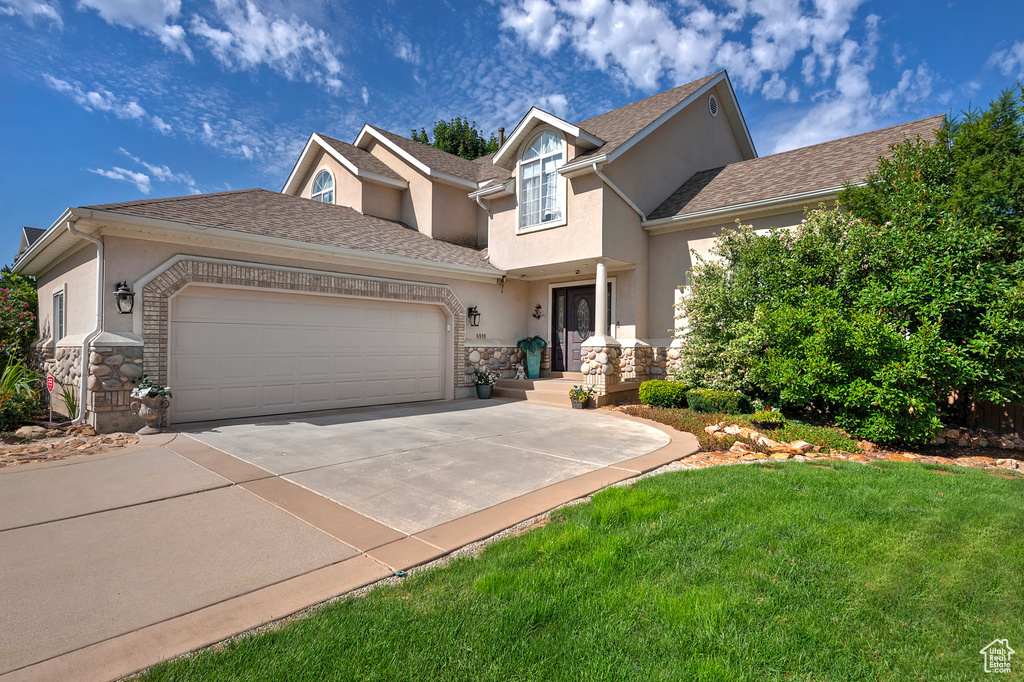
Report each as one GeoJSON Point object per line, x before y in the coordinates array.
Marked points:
{"type": "Point", "coordinates": [113, 100]}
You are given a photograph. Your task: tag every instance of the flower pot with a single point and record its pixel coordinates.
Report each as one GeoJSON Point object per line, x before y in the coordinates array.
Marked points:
{"type": "Point", "coordinates": [149, 409]}
{"type": "Point", "coordinates": [533, 364]}
{"type": "Point", "coordinates": [578, 404]}
{"type": "Point", "coordinates": [483, 392]}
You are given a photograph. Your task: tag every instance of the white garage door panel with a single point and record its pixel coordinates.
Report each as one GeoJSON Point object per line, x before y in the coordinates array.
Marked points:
{"type": "Point", "coordinates": [238, 353]}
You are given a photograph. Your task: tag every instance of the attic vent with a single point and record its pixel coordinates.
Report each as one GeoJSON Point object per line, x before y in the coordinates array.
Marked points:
{"type": "Point", "coordinates": [713, 105]}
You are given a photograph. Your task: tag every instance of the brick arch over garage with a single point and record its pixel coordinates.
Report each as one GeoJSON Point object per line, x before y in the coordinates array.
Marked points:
{"type": "Point", "coordinates": [157, 293]}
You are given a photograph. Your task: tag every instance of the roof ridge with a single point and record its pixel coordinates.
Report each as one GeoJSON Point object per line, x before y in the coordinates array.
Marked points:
{"type": "Point", "coordinates": [161, 200]}
{"type": "Point", "coordinates": [834, 140]}
{"type": "Point", "coordinates": [657, 94]}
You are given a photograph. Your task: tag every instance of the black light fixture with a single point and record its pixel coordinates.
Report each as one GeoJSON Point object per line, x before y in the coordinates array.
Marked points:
{"type": "Point", "coordinates": [474, 316]}
{"type": "Point", "coordinates": [124, 297]}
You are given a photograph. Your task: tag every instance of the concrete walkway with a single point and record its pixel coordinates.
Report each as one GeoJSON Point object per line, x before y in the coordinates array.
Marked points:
{"type": "Point", "coordinates": [109, 564]}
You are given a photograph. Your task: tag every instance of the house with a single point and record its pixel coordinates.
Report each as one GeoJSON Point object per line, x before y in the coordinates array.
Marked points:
{"type": "Point", "coordinates": [351, 285]}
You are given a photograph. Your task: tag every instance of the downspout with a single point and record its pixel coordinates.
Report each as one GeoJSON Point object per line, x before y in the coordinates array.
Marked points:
{"type": "Point", "coordinates": [618, 191]}
{"type": "Point", "coordinates": [84, 383]}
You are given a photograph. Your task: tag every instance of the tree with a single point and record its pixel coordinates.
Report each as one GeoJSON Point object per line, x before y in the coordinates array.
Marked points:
{"type": "Point", "coordinates": [18, 306]}
{"type": "Point", "coordinates": [460, 137]}
{"type": "Point", "coordinates": [874, 316]}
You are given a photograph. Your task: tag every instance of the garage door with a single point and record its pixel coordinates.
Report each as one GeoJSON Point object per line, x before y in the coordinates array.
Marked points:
{"type": "Point", "coordinates": [238, 353]}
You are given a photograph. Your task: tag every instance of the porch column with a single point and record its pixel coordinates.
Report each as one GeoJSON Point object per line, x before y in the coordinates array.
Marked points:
{"type": "Point", "coordinates": [601, 352]}
{"type": "Point", "coordinates": [601, 299]}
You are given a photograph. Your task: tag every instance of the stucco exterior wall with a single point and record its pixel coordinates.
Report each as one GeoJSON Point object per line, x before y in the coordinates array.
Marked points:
{"type": "Point", "coordinates": [348, 189]}
{"type": "Point", "coordinates": [671, 260]}
{"type": "Point", "coordinates": [76, 274]}
{"type": "Point", "coordinates": [454, 215]}
{"type": "Point", "coordinates": [383, 202]}
{"type": "Point", "coordinates": [691, 141]}
{"type": "Point", "coordinates": [502, 314]}
{"type": "Point", "coordinates": [416, 208]}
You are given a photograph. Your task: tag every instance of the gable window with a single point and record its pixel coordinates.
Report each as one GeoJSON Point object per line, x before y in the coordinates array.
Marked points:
{"type": "Point", "coordinates": [323, 188]}
{"type": "Point", "coordinates": [58, 316]}
{"type": "Point", "coordinates": [542, 189]}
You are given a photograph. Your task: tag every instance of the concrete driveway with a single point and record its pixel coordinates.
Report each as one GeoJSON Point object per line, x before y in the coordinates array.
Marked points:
{"type": "Point", "coordinates": [114, 562]}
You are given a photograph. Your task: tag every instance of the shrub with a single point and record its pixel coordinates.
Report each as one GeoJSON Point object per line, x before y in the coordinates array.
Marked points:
{"type": "Point", "coordinates": [15, 409]}
{"type": "Point", "coordinates": [17, 316]}
{"type": "Point", "coordinates": [663, 393]}
{"type": "Point", "coordinates": [710, 400]}
{"type": "Point", "coordinates": [769, 418]}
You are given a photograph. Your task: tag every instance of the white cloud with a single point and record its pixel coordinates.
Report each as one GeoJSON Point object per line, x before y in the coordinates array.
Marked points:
{"type": "Point", "coordinates": [556, 104]}
{"type": "Point", "coordinates": [403, 48]}
{"type": "Point", "coordinates": [101, 99]}
{"type": "Point", "coordinates": [32, 10]}
{"type": "Point", "coordinates": [366, 95]}
{"type": "Point", "coordinates": [248, 38]}
{"type": "Point", "coordinates": [140, 180]}
{"type": "Point", "coordinates": [853, 106]}
{"type": "Point", "coordinates": [642, 42]}
{"type": "Point", "coordinates": [153, 17]}
{"type": "Point", "coordinates": [162, 173]}
{"type": "Point", "coordinates": [1010, 61]}
{"type": "Point", "coordinates": [536, 22]}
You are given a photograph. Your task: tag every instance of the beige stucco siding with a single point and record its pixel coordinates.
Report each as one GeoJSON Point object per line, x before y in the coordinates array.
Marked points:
{"type": "Point", "coordinates": [347, 187]}
{"type": "Point", "coordinates": [579, 238]}
{"type": "Point", "coordinates": [76, 275]}
{"type": "Point", "coordinates": [454, 215]}
{"type": "Point", "coordinates": [501, 313]}
{"type": "Point", "coordinates": [671, 260]}
{"type": "Point", "coordinates": [416, 208]}
{"type": "Point", "coordinates": [690, 141]}
{"type": "Point", "coordinates": [383, 202]}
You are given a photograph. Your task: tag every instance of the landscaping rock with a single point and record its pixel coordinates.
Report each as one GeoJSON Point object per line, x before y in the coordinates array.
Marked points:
{"type": "Point", "coordinates": [1009, 463]}
{"type": "Point", "coordinates": [802, 445]}
{"type": "Point", "coordinates": [31, 433]}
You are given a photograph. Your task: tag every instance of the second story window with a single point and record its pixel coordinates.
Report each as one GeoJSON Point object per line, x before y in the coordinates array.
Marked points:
{"type": "Point", "coordinates": [542, 189]}
{"type": "Point", "coordinates": [323, 188]}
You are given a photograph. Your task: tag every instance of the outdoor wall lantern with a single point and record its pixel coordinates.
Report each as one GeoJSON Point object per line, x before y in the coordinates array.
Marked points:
{"type": "Point", "coordinates": [124, 297]}
{"type": "Point", "coordinates": [474, 316]}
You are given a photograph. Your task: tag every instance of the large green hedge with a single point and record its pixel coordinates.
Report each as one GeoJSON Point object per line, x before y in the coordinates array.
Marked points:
{"type": "Point", "coordinates": [662, 393]}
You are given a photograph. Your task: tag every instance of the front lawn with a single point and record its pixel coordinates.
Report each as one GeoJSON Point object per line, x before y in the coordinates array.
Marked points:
{"type": "Point", "coordinates": [761, 572]}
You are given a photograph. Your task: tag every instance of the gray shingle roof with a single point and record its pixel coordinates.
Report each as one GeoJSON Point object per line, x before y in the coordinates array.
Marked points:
{"type": "Point", "coordinates": [271, 214]}
{"type": "Point", "coordinates": [618, 125]}
{"type": "Point", "coordinates": [361, 159]}
{"type": "Point", "coordinates": [32, 234]}
{"type": "Point", "coordinates": [434, 158]}
{"type": "Point", "coordinates": [817, 167]}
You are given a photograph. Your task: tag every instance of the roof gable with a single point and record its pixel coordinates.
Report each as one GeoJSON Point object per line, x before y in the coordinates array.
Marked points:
{"type": "Point", "coordinates": [822, 167]}
{"type": "Point", "coordinates": [359, 162]}
{"type": "Point", "coordinates": [506, 154]}
{"type": "Point", "coordinates": [430, 161]}
{"type": "Point", "coordinates": [624, 127]}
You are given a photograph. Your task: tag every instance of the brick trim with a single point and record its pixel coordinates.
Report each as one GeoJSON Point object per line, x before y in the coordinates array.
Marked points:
{"type": "Point", "coordinates": [157, 293]}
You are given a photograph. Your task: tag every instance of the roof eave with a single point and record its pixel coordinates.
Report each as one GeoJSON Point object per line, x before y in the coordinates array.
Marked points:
{"type": "Point", "coordinates": [368, 132]}
{"type": "Point", "coordinates": [55, 230]}
{"type": "Point", "coordinates": [513, 141]}
{"type": "Point", "coordinates": [771, 205]}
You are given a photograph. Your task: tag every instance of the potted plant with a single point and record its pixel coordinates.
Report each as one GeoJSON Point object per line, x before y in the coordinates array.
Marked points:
{"type": "Point", "coordinates": [580, 396]}
{"type": "Point", "coordinates": [150, 403]}
{"type": "Point", "coordinates": [532, 347]}
{"type": "Point", "coordinates": [485, 381]}
{"type": "Point", "coordinates": [768, 419]}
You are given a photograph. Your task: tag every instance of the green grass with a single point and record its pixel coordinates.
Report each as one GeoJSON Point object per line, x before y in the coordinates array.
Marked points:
{"type": "Point", "coordinates": [830, 438]}
{"type": "Point", "coordinates": [761, 572]}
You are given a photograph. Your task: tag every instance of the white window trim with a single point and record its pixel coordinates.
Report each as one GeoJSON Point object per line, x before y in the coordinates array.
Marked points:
{"type": "Point", "coordinates": [62, 293]}
{"type": "Point", "coordinates": [333, 190]}
{"type": "Point", "coordinates": [564, 220]}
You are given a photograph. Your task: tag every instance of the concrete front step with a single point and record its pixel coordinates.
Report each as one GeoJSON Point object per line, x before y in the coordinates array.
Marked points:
{"type": "Point", "coordinates": [547, 397]}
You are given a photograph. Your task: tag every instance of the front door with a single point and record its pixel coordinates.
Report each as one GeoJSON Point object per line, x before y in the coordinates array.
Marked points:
{"type": "Point", "coordinates": [571, 324]}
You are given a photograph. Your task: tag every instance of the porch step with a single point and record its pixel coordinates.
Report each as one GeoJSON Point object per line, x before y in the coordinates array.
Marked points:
{"type": "Point", "coordinates": [555, 390]}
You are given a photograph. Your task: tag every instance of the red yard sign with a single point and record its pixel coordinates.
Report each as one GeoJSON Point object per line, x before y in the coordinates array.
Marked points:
{"type": "Point", "coordinates": [49, 384]}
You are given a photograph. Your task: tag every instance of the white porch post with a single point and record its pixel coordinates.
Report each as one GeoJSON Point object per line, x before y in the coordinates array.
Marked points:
{"type": "Point", "coordinates": [600, 351]}
{"type": "Point", "coordinates": [601, 299]}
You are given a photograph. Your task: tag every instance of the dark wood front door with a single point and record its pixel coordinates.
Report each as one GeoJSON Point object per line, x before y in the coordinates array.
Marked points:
{"type": "Point", "coordinates": [572, 323]}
